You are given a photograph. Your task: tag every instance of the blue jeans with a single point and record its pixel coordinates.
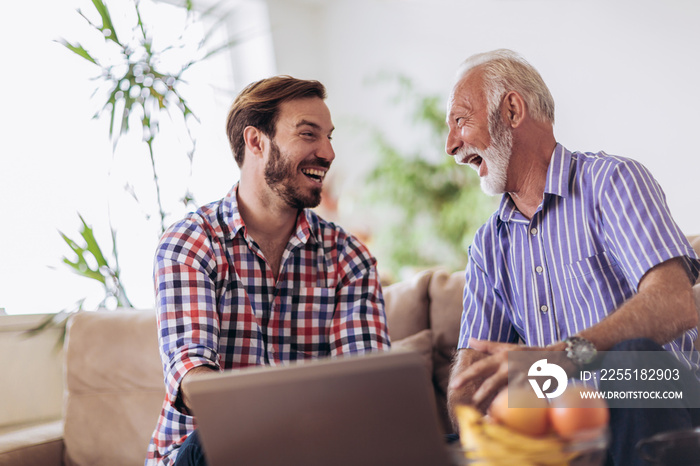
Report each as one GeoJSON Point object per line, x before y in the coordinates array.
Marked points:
{"type": "Point", "coordinates": [191, 452]}
{"type": "Point", "coordinates": [630, 425]}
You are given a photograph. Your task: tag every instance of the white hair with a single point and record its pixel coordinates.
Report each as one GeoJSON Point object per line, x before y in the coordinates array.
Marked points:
{"type": "Point", "coordinates": [504, 71]}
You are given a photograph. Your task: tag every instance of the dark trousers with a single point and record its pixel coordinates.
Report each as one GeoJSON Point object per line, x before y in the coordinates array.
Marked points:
{"type": "Point", "coordinates": [630, 425]}
{"type": "Point", "coordinates": [191, 452]}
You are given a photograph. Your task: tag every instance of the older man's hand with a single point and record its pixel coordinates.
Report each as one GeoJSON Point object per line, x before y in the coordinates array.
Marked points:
{"type": "Point", "coordinates": [493, 369]}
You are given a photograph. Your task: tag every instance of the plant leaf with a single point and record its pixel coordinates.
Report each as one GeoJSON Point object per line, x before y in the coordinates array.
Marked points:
{"type": "Point", "coordinates": [78, 49]}
{"type": "Point", "coordinates": [107, 25]}
{"type": "Point", "coordinates": [92, 246]}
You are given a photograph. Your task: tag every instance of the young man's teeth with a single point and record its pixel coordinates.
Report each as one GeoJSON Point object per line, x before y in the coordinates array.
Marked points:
{"type": "Point", "coordinates": [312, 172]}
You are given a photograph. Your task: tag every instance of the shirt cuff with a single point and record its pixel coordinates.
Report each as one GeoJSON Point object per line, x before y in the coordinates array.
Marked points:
{"type": "Point", "coordinates": [185, 361]}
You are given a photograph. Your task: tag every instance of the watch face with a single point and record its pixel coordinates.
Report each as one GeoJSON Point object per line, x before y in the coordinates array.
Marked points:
{"type": "Point", "coordinates": [580, 350]}
{"type": "Point", "coordinates": [586, 353]}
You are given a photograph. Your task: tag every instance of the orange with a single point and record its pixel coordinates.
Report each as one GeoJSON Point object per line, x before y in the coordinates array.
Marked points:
{"type": "Point", "coordinates": [573, 416]}
{"type": "Point", "coordinates": [526, 413]}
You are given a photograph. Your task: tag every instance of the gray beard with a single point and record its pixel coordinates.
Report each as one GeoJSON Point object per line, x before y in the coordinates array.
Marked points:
{"type": "Point", "coordinates": [498, 155]}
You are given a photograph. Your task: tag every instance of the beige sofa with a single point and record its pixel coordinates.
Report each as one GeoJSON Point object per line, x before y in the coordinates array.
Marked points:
{"type": "Point", "coordinates": [114, 383]}
{"type": "Point", "coordinates": [113, 375]}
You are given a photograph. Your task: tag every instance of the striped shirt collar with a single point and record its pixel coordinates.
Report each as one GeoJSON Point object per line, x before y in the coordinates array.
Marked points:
{"type": "Point", "coordinates": [557, 184]}
{"type": "Point", "coordinates": [307, 222]}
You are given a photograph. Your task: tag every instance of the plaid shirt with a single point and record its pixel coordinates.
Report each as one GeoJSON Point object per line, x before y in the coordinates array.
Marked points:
{"type": "Point", "coordinates": [218, 303]}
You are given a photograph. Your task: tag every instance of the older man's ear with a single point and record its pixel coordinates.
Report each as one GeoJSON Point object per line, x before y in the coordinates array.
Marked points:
{"type": "Point", "coordinates": [513, 109]}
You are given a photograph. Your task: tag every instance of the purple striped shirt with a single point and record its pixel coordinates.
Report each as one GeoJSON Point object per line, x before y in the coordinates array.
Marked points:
{"type": "Point", "coordinates": [602, 225]}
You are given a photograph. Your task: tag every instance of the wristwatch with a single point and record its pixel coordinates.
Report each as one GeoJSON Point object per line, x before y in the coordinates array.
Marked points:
{"type": "Point", "coordinates": [580, 351]}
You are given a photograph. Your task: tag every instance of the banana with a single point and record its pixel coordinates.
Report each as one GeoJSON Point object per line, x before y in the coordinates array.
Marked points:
{"type": "Point", "coordinates": [491, 444]}
{"type": "Point", "coordinates": [522, 442]}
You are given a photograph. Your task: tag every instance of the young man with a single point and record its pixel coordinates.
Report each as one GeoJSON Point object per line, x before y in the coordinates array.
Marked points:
{"type": "Point", "coordinates": [257, 278]}
{"type": "Point", "coordinates": [582, 255]}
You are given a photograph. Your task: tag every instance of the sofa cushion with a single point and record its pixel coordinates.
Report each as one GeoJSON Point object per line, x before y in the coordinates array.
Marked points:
{"type": "Point", "coordinates": [114, 387]}
{"type": "Point", "coordinates": [421, 343]}
{"type": "Point", "coordinates": [406, 306]}
{"type": "Point", "coordinates": [446, 290]}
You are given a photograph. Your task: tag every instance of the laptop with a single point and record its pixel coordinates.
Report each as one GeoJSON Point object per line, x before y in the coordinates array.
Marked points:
{"type": "Point", "coordinates": [376, 409]}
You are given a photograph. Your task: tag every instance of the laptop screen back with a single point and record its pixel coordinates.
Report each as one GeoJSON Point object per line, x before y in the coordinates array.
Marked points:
{"type": "Point", "coordinates": [357, 410]}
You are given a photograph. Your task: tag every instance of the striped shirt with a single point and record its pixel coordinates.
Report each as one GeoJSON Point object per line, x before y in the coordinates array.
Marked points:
{"type": "Point", "coordinates": [603, 223]}
{"type": "Point", "coordinates": [218, 303]}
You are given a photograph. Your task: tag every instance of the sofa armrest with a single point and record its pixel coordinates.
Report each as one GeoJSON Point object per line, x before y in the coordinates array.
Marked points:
{"type": "Point", "coordinates": [30, 446]}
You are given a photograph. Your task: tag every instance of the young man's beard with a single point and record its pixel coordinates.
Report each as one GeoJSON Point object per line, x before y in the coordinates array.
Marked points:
{"type": "Point", "coordinates": [280, 176]}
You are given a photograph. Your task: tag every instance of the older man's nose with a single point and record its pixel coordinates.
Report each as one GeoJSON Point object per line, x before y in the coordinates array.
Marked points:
{"type": "Point", "coordinates": [452, 144]}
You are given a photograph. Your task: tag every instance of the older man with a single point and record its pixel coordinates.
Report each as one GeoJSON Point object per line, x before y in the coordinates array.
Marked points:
{"type": "Point", "coordinates": [581, 256]}
{"type": "Point", "coordinates": [257, 278]}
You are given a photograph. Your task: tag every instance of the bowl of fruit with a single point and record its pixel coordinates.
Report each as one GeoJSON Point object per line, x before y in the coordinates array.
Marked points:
{"type": "Point", "coordinates": [522, 429]}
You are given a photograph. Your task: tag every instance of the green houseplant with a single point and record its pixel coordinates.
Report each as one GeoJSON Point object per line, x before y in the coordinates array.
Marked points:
{"type": "Point", "coordinates": [140, 85]}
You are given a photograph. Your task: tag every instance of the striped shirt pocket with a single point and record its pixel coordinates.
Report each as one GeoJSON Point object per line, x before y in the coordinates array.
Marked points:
{"type": "Point", "coordinates": [589, 266]}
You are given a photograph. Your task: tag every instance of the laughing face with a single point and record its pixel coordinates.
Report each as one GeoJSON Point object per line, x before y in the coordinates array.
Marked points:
{"type": "Point", "coordinates": [474, 139]}
{"type": "Point", "coordinates": [494, 158]}
{"type": "Point", "coordinates": [300, 153]}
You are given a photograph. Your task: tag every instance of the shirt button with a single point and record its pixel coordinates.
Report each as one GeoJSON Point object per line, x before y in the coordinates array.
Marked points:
{"type": "Point", "coordinates": [544, 309]}
{"type": "Point", "coordinates": [533, 231]}
{"type": "Point", "coordinates": [539, 269]}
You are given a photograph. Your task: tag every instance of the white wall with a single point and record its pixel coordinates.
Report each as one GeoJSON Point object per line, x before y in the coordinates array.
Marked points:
{"type": "Point", "coordinates": [623, 73]}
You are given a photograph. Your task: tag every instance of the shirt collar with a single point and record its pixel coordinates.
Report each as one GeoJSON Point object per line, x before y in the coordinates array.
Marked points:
{"type": "Point", "coordinates": [306, 220]}
{"type": "Point", "coordinates": [557, 184]}
{"type": "Point", "coordinates": [558, 172]}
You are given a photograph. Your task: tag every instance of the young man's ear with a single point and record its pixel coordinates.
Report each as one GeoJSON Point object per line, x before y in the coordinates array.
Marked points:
{"type": "Point", "coordinates": [254, 141]}
{"type": "Point", "coordinates": [513, 108]}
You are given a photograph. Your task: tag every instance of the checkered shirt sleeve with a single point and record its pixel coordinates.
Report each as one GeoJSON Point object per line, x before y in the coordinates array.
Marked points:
{"type": "Point", "coordinates": [185, 274]}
